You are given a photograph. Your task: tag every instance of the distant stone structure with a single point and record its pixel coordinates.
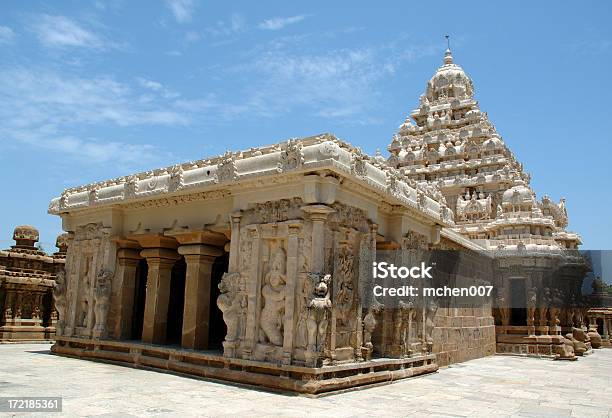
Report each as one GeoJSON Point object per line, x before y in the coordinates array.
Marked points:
{"type": "Point", "coordinates": [27, 278]}
{"type": "Point", "coordinates": [251, 266]}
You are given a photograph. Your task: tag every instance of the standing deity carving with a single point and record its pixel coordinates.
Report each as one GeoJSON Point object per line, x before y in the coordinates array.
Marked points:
{"type": "Point", "coordinates": [59, 297]}
{"type": "Point", "coordinates": [345, 296]}
{"type": "Point", "coordinates": [318, 313]}
{"type": "Point", "coordinates": [273, 293]}
{"type": "Point", "coordinates": [102, 294]}
{"type": "Point", "coordinates": [369, 326]}
{"type": "Point", "coordinates": [531, 305]}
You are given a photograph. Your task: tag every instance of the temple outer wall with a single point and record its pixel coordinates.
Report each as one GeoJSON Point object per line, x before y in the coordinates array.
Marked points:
{"type": "Point", "coordinates": [463, 334]}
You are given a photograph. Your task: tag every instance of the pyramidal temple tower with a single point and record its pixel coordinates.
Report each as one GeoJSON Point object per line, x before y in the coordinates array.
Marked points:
{"type": "Point", "coordinates": [449, 143]}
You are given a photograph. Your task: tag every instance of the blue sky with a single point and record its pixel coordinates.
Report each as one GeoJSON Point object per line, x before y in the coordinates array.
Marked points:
{"type": "Point", "coordinates": [95, 90]}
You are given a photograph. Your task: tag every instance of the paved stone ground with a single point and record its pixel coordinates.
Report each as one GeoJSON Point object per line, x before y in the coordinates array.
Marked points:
{"type": "Point", "coordinates": [492, 386]}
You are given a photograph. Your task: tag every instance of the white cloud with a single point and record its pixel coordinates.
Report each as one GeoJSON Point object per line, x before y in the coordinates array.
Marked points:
{"type": "Point", "coordinates": [182, 9]}
{"type": "Point", "coordinates": [280, 22]}
{"type": "Point", "coordinates": [60, 31]}
{"type": "Point", "coordinates": [149, 84]}
{"type": "Point", "coordinates": [234, 25]}
{"type": "Point", "coordinates": [193, 36]}
{"type": "Point", "coordinates": [6, 35]}
{"type": "Point", "coordinates": [49, 111]}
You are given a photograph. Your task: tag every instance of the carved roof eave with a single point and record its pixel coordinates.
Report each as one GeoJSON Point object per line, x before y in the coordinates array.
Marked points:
{"type": "Point", "coordinates": [234, 169]}
{"type": "Point", "coordinates": [460, 239]}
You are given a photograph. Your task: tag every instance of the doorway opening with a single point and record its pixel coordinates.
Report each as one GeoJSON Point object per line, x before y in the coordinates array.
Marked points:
{"type": "Point", "coordinates": [140, 292]}
{"type": "Point", "coordinates": [174, 331]}
{"type": "Point", "coordinates": [216, 328]}
{"type": "Point", "coordinates": [518, 299]}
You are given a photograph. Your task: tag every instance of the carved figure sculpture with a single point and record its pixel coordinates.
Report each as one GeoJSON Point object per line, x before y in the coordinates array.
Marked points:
{"type": "Point", "coordinates": [566, 350]}
{"type": "Point", "coordinates": [532, 298]}
{"type": "Point", "coordinates": [102, 293]}
{"type": "Point", "coordinates": [543, 307]}
{"type": "Point", "coordinates": [59, 297]}
{"type": "Point", "coordinates": [369, 325]}
{"type": "Point", "coordinates": [273, 293]}
{"type": "Point", "coordinates": [344, 297]}
{"type": "Point", "coordinates": [578, 338]}
{"type": "Point", "coordinates": [229, 304]}
{"type": "Point", "coordinates": [318, 314]}
{"type": "Point", "coordinates": [503, 310]}
{"type": "Point", "coordinates": [430, 313]}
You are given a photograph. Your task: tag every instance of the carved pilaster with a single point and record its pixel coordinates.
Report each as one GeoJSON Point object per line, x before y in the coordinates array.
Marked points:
{"type": "Point", "coordinates": [290, 289]}
{"type": "Point", "coordinates": [318, 214]}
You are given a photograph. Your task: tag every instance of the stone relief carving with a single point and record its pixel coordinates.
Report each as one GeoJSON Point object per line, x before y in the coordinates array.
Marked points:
{"type": "Point", "coordinates": [344, 274]}
{"type": "Point", "coordinates": [349, 216]}
{"type": "Point", "coordinates": [131, 187]}
{"type": "Point", "coordinates": [369, 326]}
{"type": "Point", "coordinates": [102, 293]}
{"type": "Point", "coordinates": [84, 299]}
{"type": "Point", "coordinates": [305, 292]}
{"type": "Point", "coordinates": [319, 308]}
{"type": "Point", "coordinates": [177, 200]}
{"type": "Point", "coordinates": [292, 156]}
{"type": "Point", "coordinates": [275, 211]}
{"type": "Point", "coordinates": [175, 182]}
{"type": "Point", "coordinates": [226, 168]}
{"type": "Point", "coordinates": [404, 332]}
{"type": "Point", "coordinates": [531, 305]}
{"type": "Point", "coordinates": [358, 164]}
{"type": "Point", "coordinates": [59, 297]}
{"type": "Point", "coordinates": [431, 307]}
{"type": "Point", "coordinates": [273, 294]}
{"type": "Point", "coordinates": [232, 303]}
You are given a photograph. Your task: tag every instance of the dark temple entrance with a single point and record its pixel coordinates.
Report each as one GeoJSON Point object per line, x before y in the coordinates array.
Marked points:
{"type": "Point", "coordinates": [217, 329]}
{"type": "Point", "coordinates": [518, 302]}
{"type": "Point", "coordinates": [174, 331]}
{"type": "Point", "coordinates": [140, 291]}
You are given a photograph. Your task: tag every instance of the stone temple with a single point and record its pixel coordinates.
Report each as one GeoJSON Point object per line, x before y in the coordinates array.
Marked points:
{"type": "Point", "coordinates": [27, 278]}
{"type": "Point", "coordinates": [251, 266]}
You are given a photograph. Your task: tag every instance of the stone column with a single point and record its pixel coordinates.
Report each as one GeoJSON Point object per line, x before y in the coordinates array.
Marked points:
{"type": "Point", "coordinates": [318, 215]}
{"type": "Point", "coordinates": [199, 260]}
{"type": "Point", "coordinates": [234, 250]}
{"type": "Point", "coordinates": [122, 304]}
{"type": "Point", "coordinates": [160, 262]}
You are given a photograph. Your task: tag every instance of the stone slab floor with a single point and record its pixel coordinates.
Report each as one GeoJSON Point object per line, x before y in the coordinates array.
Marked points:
{"type": "Point", "coordinates": [492, 386]}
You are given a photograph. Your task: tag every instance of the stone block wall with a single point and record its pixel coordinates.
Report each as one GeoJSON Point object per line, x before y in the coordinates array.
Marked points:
{"type": "Point", "coordinates": [462, 334]}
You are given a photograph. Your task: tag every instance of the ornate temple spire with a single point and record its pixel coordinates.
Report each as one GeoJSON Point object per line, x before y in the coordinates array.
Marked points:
{"type": "Point", "coordinates": [453, 146]}
{"type": "Point", "coordinates": [448, 56]}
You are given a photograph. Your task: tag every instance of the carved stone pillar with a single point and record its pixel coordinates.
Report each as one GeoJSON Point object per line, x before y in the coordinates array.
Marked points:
{"type": "Point", "coordinates": [292, 267]}
{"type": "Point", "coordinates": [160, 262]}
{"type": "Point", "coordinates": [318, 215]}
{"type": "Point", "coordinates": [234, 242]}
{"type": "Point", "coordinates": [122, 303]}
{"type": "Point", "coordinates": [199, 260]}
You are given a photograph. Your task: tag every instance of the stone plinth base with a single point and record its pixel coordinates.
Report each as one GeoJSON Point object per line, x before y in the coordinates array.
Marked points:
{"type": "Point", "coordinates": [516, 340]}
{"type": "Point", "coordinates": [304, 380]}
{"type": "Point", "coordinates": [26, 333]}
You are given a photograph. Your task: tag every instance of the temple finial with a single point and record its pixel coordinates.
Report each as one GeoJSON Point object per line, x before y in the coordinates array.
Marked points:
{"type": "Point", "coordinates": [448, 57]}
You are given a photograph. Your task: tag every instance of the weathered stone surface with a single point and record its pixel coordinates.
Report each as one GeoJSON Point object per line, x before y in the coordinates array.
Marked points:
{"type": "Point", "coordinates": [27, 281]}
